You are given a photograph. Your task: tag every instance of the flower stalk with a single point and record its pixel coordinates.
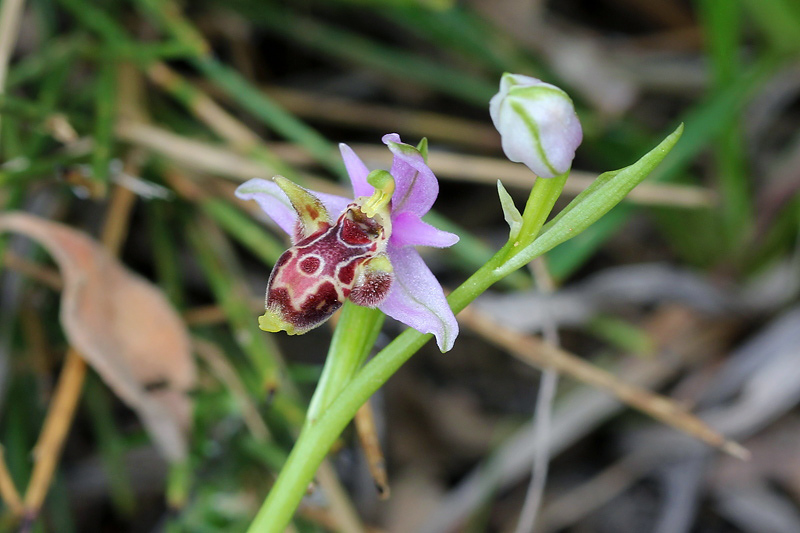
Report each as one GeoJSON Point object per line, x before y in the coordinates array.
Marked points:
{"type": "Point", "coordinates": [354, 337]}
{"type": "Point", "coordinates": [541, 200]}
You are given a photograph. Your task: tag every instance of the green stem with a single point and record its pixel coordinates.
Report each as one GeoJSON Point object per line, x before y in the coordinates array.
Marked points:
{"type": "Point", "coordinates": [354, 337]}
{"type": "Point", "coordinates": [316, 439]}
{"type": "Point", "coordinates": [543, 197]}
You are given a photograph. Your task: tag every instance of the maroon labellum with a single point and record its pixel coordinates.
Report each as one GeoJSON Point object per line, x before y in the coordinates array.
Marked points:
{"type": "Point", "coordinates": [329, 263]}
{"type": "Point", "coordinates": [361, 249]}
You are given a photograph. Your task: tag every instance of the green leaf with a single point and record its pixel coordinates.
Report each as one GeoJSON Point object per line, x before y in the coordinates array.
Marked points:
{"type": "Point", "coordinates": [597, 200]}
{"type": "Point", "coordinates": [779, 21]}
{"type": "Point", "coordinates": [510, 212]}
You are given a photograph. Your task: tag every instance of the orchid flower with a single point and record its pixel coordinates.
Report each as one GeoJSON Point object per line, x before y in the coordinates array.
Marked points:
{"type": "Point", "coordinates": [360, 249]}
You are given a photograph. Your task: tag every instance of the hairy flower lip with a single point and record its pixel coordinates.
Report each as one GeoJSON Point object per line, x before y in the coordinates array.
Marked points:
{"type": "Point", "coordinates": [416, 298]}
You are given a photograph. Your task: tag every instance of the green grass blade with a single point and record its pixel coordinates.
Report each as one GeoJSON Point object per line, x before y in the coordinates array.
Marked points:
{"type": "Point", "coordinates": [247, 232]}
{"type": "Point", "coordinates": [105, 98]}
{"type": "Point", "coordinates": [226, 279]}
{"type": "Point", "coordinates": [722, 23]}
{"type": "Point", "coordinates": [165, 252]}
{"type": "Point", "coordinates": [346, 45]}
{"type": "Point", "coordinates": [779, 20]}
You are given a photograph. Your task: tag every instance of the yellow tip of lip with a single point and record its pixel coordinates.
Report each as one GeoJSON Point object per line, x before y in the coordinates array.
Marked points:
{"type": "Point", "coordinates": [272, 322]}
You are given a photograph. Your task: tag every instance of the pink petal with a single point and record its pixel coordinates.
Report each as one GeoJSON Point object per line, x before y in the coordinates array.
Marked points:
{"type": "Point", "coordinates": [274, 202]}
{"type": "Point", "coordinates": [409, 230]}
{"type": "Point", "coordinates": [357, 171]}
{"type": "Point", "coordinates": [416, 186]}
{"type": "Point", "coordinates": [417, 299]}
{"type": "Point", "coordinates": [271, 199]}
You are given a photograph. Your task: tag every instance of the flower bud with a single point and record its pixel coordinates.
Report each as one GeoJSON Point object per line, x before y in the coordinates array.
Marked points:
{"type": "Point", "coordinates": [537, 123]}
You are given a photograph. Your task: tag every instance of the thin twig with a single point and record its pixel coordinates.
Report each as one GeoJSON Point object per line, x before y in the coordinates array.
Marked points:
{"type": "Point", "coordinates": [368, 435]}
{"type": "Point", "coordinates": [191, 153]}
{"type": "Point", "coordinates": [54, 431]}
{"type": "Point", "coordinates": [207, 315]}
{"type": "Point", "coordinates": [594, 493]}
{"type": "Point", "coordinates": [220, 161]}
{"type": "Point", "coordinates": [206, 109]}
{"type": "Point", "coordinates": [542, 354]}
{"type": "Point", "coordinates": [238, 135]}
{"type": "Point", "coordinates": [342, 510]}
{"type": "Point", "coordinates": [43, 274]}
{"type": "Point", "coordinates": [10, 14]}
{"type": "Point", "coordinates": [37, 350]}
{"type": "Point", "coordinates": [226, 374]}
{"type": "Point", "coordinates": [541, 458]}
{"type": "Point", "coordinates": [544, 411]}
{"type": "Point", "coordinates": [486, 170]}
{"type": "Point", "coordinates": [208, 157]}
{"type": "Point", "coordinates": [682, 339]}
{"type": "Point", "coordinates": [412, 122]}
{"type": "Point", "coordinates": [116, 226]}
{"type": "Point", "coordinates": [8, 490]}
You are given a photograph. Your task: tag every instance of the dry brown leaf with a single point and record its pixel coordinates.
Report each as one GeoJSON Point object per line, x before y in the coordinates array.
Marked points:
{"type": "Point", "coordinates": [124, 328]}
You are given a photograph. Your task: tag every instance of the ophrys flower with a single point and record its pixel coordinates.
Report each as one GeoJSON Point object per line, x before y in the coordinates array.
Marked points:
{"type": "Point", "coordinates": [361, 249]}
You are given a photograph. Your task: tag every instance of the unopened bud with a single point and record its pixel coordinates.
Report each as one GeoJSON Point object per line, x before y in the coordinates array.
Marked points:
{"type": "Point", "coordinates": [537, 123]}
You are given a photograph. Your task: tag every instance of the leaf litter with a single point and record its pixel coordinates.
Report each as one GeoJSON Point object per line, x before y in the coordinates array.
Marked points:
{"type": "Point", "coordinates": [124, 328]}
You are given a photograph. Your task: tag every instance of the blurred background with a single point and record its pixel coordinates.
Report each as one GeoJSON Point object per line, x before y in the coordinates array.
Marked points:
{"type": "Point", "coordinates": [133, 121]}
